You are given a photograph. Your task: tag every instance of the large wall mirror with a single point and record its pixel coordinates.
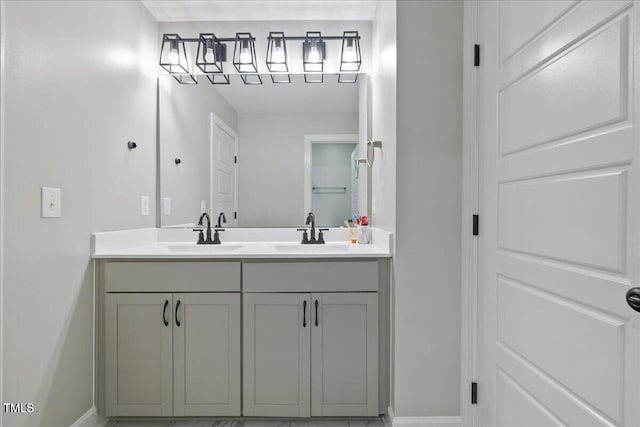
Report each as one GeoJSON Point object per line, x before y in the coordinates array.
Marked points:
{"type": "Point", "coordinates": [264, 155]}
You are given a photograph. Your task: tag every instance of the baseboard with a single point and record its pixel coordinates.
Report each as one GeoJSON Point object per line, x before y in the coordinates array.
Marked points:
{"type": "Point", "coordinates": [390, 420]}
{"type": "Point", "coordinates": [90, 419]}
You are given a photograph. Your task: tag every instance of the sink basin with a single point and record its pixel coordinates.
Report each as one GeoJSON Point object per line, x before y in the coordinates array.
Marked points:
{"type": "Point", "coordinates": [312, 248]}
{"type": "Point", "coordinates": [207, 249]}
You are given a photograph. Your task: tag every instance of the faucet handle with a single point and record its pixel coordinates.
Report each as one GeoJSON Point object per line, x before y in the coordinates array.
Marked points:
{"type": "Point", "coordinates": [320, 235]}
{"type": "Point", "coordinates": [305, 236]}
{"type": "Point", "coordinates": [200, 236]}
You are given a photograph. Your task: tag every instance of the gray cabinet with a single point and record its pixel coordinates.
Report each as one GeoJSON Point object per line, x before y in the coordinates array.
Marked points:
{"type": "Point", "coordinates": [276, 355]}
{"type": "Point", "coordinates": [172, 354]}
{"type": "Point", "coordinates": [344, 354]}
{"type": "Point", "coordinates": [310, 354]}
{"type": "Point", "coordinates": [139, 354]}
{"type": "Point", "coordinates": [206, 354]}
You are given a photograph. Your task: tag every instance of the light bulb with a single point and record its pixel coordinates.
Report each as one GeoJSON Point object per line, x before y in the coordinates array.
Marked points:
{"type": "Point", "coordinates": [245, 56]}
{"type": "Point", "coordinates": [314, 55]}
{"type": "Point", "coordinates": [174, 59]}
{"type": "Point", "coordinates": [278, 55]}
{"type": "Point", "coordinates": [209, 57]}
{"type": "Point", "coordinates": [349, 54]}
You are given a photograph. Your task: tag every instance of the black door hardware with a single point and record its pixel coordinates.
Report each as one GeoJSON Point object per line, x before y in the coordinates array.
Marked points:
{"type": "Point", "coordinates": [164, 313]}
{"type": "Point", "coordinates": [316, 312]}
{"type": "Point", "coordinates": [633, 298]}
{"type": "Point", "coordinates": [177, 307]}
{"type": "Point", "coordinates": [304, 314]}
{"type": "Point", "coordinates": [474, 393]}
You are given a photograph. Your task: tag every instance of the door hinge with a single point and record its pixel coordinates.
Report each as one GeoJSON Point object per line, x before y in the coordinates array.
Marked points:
{"type": "Point", "coordinates": [235, 159]}
{"type": "Point", "coordinates": [235, 215]}
{"type": "Point", "coordinates": [476, 55]}
{"type": "Point", "coordinates": [476, 224]}
{"type": "Point", "coordinates": [474, 393]}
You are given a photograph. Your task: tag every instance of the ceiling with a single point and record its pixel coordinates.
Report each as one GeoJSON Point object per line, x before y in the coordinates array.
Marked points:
{"type": "Point", "coordinates": [265, 10]}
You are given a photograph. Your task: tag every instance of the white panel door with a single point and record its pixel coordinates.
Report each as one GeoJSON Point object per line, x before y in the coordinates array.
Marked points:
{"type": "Point", "coordinates": [558, 344]}
{"type": "Point", "coordinates": [344, 354]}
{"type": "Point", "coordinates": [223, 171]}
{"type": "Point", "coordinates": [206, 354]}
{"type": "Point", "coordinates": [276, 355]}
{"type": "Point", "coordinates": [138, 354]}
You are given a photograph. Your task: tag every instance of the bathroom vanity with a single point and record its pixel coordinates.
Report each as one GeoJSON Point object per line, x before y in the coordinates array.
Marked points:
{"type": "Point", "coordinates": [264, 328]}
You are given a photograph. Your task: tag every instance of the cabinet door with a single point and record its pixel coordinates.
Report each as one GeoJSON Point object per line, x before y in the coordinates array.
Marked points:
{"type": "Point", "coordinates": [276, 355]}
{"type": "Point", "coordinates": [206, 343]}
{"type": "Point", "coordinates": [344, 354]}
{"type": "Point", "coordinates": [139, 354]}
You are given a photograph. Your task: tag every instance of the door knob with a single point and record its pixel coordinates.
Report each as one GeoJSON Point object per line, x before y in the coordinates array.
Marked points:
{"type": "Point", "coordinates": [633, 298]}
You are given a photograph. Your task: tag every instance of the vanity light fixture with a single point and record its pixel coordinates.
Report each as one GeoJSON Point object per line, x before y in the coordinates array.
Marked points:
{"type": "Point", "coordinates": [277, 60]}
{"type": "Point", "coordinates": [211, 54]}
{"type": "Point", "coordinates": [350, 58]}
{"type": "Point", "coordinates": [244, 54]}
{"type": "Point", "coordinates": [313, 56]}
{"type": "Point", "coordinates": [173, 58]}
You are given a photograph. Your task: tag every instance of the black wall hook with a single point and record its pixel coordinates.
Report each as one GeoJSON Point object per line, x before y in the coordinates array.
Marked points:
{"type": "Point", "coordinates": [178, 161]}
{"type": "Point", "coordinates": [131, 145]}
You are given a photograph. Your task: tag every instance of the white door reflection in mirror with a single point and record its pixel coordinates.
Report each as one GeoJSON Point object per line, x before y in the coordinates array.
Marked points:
{"type": "Point", "coordinates": [329, 178]}
{"type": "Point", "coordinates": [224, 178]}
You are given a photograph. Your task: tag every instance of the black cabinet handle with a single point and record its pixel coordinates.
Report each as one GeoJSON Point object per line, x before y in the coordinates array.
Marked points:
{"type": "Point", "coordinates": [304, 314]}
{"type": "Point", "coordinates": [177, 307]}
{"type": "Point", "coordinates": [164, 313]}
{"type": "Point", "coordinates": [316, 312]}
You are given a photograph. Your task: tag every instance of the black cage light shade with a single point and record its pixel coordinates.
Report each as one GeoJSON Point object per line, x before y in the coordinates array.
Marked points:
{"type": "Point", "coordinates": [244, 54]}
{"type": "Point", "coordinates": [173, 55]}
{"type": "Point", "coordinates": [313, 53]}
{"type": "Point", "coordinates": [211, 54]}
{"type": "Point", "coordinates": [277, 53]}
{"type": "Point", "coordinates": [350, 59]}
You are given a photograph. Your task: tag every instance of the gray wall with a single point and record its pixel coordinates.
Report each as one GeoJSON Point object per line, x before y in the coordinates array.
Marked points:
{"type": "Point", "coordinates": [271, 164]}
{"type": "Point", "coordinates": [185, 133]}
{"type": "Point", "coordinates": [80, 82]}
{"type": "Point", "coordinates": [429, 193]}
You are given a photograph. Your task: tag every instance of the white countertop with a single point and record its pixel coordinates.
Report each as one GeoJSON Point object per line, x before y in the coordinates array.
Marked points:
{"type": "Point", "coordinates": [237, 243]}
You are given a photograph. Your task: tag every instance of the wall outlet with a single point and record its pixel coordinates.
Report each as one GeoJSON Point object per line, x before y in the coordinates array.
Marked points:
{"type": "Point", "coordinates": [166, 203]}
{"type": "Point", "coordinates": [203, 206]}
{"type": "Point", "coordinates": [144, 205]}
{"type": "Point", "coordinates": [51, 202]}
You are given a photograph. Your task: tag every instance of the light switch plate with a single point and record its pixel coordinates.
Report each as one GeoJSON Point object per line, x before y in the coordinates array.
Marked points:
{"type": "Point", "coordinates": [144, 205]}
{"type": "Point", "coordinates": [51, 202]}
{"type": "Point", "coordinates": [166, 203]}
{"type": "Point", "coordinates": [203, 206]}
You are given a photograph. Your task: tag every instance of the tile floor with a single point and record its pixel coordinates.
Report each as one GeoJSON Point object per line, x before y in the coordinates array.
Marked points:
{"type": "Point", "coordinates": [251, 423]}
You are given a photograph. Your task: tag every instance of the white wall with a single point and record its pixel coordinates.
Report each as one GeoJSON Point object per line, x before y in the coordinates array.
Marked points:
{"type": "Point", "coordinates": [271, 164]}
{"type": "Point", "coordinates": [429, 193]}
{"type": "Point", "coordinates": [185, 133]}
{"type": "Point", "coordinates": [80, 83]}
{"type": "Point", "coordinates": [383, 116]}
